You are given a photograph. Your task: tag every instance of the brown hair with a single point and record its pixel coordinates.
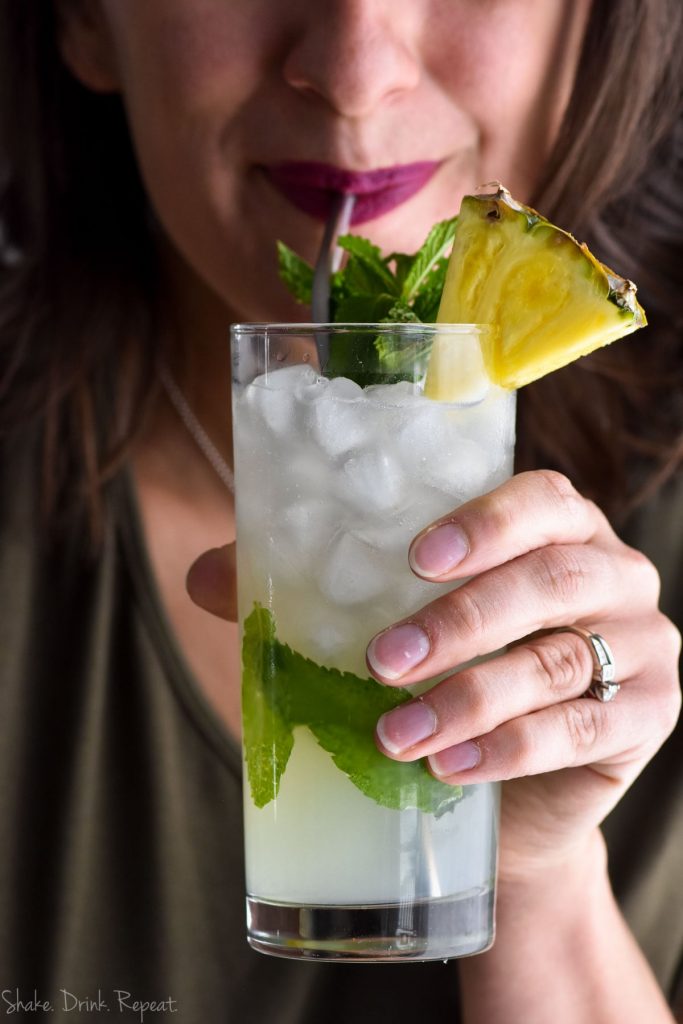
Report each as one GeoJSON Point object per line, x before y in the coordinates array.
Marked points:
{"type": "Point", "coordinates": [614, 421]}
{"type": "Point", "coordinates": [78, 317]}
{"type": "Point", "coordinates": [77, 285]}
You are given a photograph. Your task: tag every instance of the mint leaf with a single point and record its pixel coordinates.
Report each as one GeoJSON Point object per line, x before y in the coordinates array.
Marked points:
{"type": "Point", "coordinates": [296, 273]}
{"type": "Point", "coordinates": [402, 263]}
{"type": "Point", "coordinates": [267, 736]}
{"type": "Point", "coordinates": [366, 272]}
{"type": "Point", "coordinates": [359, 246]}
{"type": "Point", "coordinates": [362, 309]}
{"type": "Point", "coordinates": [436, 245]}
{"type": "Point", "coordinates": [341, 711]}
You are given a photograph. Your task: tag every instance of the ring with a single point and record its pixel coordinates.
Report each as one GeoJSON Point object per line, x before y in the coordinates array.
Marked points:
{"type": "Point", "coordinates": [603, 686]}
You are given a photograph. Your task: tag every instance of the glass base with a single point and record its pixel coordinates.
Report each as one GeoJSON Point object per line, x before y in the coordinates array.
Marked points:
{"type": "Point", "coordinates": [435, 929]}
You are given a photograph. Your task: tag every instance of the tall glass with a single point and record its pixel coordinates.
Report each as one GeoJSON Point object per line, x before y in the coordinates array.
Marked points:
{"type": "Point", "coordinates": [349, 855]}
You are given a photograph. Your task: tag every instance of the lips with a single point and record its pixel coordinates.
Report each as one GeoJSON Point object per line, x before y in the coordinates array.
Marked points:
{"type": "Point", "coordinates": [312, 186]}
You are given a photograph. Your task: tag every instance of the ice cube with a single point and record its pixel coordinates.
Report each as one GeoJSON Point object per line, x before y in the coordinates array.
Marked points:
{"type": "Point", "coordinates": [427, 506]}
{"type": "Point", "coordinates": [295, 379]}
{"type": "Point", "coordinates": [436, 443]}
{"type": "Point", "coordinates": [351, 571]}
{"type": "Point", "coordinates": [461, 471]}
{"type": "Point", "coordinates": [304, 474]}
{"type": "Point", "coordinates": [491, 423]}
{"type": "Point", "coordinates": [420, 433]}
{"type": "Point", "coordinates": [387, 535]}
{"type": "Point", "coordinates": [373, 482]}
{"type": "Point", "coordinates": [307, 526]}
{"type": "Point", "coordinates": [274, 398]}
{"type": "Point", "coordinates": [277, 409]}
{"type": "Point", "coordinates": [393, 532]}
{"type": "Point", "coordinates": [328, 635]}
{"type": "Point", "coordinates": [344, 388]}
{"type": "Point", "coordinates": [339, 424]}
{"type": "Point", "coordinates": [302, 615]}
{"type": "Point", "coordinates": [403, 394]}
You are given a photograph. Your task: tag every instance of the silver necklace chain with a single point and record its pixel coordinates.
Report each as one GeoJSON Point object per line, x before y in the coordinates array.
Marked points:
{"type": "Point", "coordinates": [195, 429]}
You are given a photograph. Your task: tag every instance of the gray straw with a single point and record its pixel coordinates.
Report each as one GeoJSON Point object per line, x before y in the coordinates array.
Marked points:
{"type": "Point", "coordinates": [329, 258]}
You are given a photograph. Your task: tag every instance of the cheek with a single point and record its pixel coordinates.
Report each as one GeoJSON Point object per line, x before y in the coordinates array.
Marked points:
{"type": "Point", "coordinates": [510, 67]}
{"type": "Point", "coordinates": [188, 71]}
{"type": "Point", "coordinates": [181, 61]}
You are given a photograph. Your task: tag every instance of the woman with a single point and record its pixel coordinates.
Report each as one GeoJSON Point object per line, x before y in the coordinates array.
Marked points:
{"type": "Point", "coordinates": [140, 213]}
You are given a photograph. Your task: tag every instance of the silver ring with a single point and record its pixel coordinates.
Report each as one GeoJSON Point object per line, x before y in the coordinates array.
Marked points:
{"type": "Point", "coordinates": [603, 686]}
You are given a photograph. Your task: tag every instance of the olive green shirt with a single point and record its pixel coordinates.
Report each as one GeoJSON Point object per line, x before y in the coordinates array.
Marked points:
{"type": "Point", "coordinates": [121, 872]}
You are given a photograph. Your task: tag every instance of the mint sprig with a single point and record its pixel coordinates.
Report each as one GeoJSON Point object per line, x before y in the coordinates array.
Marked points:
{"type": "Point", "coordinates": [372, 288]}
{"type": "Point", "coordinates": [427, 270]}
{"type": "Point", "coordinates": [369, 279]}
{"type": "Point", "coordinates": [282, 689]}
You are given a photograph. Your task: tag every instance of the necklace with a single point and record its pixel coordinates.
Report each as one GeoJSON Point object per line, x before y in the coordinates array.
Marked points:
{"type": "Point", "coordinates": [195, 429]}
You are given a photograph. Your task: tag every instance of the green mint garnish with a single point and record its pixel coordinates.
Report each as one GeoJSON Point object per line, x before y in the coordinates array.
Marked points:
{"type": "Point", "coordinates": [282, 689]}
{"type": "Point", "coordinates": [372, 288]}
{"type": "Point", "coordinates": [366, 271]}
{"type": "Point", "coordinates": [428, 267]}
{"type": "Point", "coordinates": [267, 735]}
{"type": "Point", "coordinates": [296, 273]}
{"type": "Point", "coordinates": [370, 280]}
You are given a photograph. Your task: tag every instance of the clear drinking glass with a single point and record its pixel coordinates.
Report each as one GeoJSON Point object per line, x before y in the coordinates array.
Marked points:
{"type": "Point", "coordinates": [349, 855]}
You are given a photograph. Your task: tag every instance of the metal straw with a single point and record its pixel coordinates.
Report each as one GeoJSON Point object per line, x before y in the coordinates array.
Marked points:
{"type": "Point", "coordinates": [329, 258]}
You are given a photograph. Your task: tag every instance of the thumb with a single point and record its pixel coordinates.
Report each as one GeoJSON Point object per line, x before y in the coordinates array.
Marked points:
{"type": "Point", "coordinates": [211, 582]}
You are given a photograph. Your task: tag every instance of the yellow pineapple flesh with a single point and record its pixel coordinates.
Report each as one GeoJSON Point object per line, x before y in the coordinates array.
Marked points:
{"type": "Point", "coordinates": [545, 298]}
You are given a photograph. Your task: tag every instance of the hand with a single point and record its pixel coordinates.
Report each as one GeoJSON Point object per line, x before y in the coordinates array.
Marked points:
{"type": "Point", "coordinates": [540, 556]}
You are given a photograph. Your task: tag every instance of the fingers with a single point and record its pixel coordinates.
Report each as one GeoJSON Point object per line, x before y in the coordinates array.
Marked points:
{"type": "Point", "coordinates": [541, 556]}
{"type": "Point", "coordinates": [568, 735]}
{"type": "Point", "coordinates": [544, 588]}
{"type": "Point", "coordinates": [211, 582]}
{"type": "Point", "coordinates": [520, 714]}
{"type": "Point", "coordinates": [529, 511]}
{"type": "Point", "coordinates": [539, 673]}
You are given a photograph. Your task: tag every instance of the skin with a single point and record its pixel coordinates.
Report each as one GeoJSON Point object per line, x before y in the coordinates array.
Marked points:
{"type": "Point", "coordinates": [229, 86]}
{"type": "Point", "coordinates": [215, 88]}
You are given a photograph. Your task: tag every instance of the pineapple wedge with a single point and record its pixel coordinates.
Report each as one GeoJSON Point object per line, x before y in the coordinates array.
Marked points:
{"type": "Point", "coordinates": [545, 298]}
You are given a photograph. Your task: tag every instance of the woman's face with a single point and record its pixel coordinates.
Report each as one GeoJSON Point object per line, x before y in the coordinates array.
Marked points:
{"type": "Point", "coordinates": [231, 102]}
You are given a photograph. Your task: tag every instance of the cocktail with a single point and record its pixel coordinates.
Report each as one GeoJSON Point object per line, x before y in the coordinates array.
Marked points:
{"type": "Point", "coordinates": [349, 439]}
{"type": "Point", "coordinates": [350, 855]}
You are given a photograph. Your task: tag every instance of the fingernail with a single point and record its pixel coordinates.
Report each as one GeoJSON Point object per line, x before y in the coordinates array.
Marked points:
{"type": "Point", "coordinates": [401, 729]}
{"type": "Point", "coordinates": [459, 758]}
{"type": "Point", "coordinates": [438, 550]}
{"type": "Point", "coordinates": [396, 650]}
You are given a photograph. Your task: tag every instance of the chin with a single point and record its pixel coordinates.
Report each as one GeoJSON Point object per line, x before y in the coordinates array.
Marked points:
{"type": "Point", "coordinates": [268, 302]}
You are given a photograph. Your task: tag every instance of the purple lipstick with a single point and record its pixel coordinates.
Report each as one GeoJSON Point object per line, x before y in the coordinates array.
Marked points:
{"type": "Point", "coordinates": [312, 186]}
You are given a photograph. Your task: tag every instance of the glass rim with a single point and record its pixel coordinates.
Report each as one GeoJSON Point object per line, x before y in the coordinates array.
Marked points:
{"type": "Point", "coordinates": [407, 327]}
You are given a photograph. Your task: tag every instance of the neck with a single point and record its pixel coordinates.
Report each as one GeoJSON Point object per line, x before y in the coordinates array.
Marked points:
{"type": "Point", "coordinates": [200, 352]}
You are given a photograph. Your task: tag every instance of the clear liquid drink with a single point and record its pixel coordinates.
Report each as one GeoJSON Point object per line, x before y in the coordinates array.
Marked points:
{"type": "Point", "coordinates": [348, 854]}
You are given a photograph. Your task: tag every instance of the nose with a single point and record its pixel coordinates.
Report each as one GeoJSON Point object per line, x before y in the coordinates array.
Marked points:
{"type": "Point", "coordinates": [354, 54]}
